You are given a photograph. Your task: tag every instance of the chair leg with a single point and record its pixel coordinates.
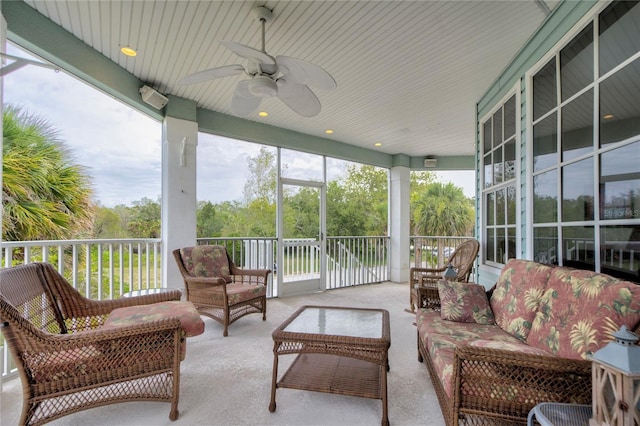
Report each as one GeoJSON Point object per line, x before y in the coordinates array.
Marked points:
{"type": "Point", "coordinates": [225, 333]}
{"type": "Point", "coordinates": [264, 309]}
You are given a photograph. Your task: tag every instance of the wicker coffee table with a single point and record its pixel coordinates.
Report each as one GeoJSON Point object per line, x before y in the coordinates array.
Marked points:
{"type": "Point", "coordinates": [339, 350]}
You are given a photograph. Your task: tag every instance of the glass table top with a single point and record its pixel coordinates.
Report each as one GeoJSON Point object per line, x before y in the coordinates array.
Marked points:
{"type": "Point", "coordinates": [338, 322]}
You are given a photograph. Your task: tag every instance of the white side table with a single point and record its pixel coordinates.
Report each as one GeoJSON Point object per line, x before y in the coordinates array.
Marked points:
{"type": "Point", "coordinates": [558, 414]}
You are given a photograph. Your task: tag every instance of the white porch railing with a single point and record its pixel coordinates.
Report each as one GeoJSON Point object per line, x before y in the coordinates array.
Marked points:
{"type": "Point", "coordinates": [99, 269]}
{"type": "Point", "coordinates": [350, 260]}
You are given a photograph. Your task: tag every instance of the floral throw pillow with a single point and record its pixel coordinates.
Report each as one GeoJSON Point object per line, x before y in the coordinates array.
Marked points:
{"type": "Point", "coordinates": [464, 302]}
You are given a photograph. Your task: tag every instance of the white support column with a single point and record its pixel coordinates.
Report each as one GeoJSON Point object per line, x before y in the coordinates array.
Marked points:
{"type": "Point", "coordinates": [179, 142]}
{"type": "Point", "coordinates": [399, 223]}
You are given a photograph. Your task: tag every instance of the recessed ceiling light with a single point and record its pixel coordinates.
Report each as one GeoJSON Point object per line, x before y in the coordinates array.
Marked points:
{"type": "Point", "coordinates": [608, 116]}
{"type": "Point", "coordinates": [377, 144]}
{"type": "Point", "coordinates": [129, 51]}
{"type": "Point", "coordinates": [263, 113]}
{"type": "Point", "coordinates": [329, 131]}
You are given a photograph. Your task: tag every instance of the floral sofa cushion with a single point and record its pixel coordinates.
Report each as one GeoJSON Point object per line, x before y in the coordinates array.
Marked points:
{"type": "Point", "coordinates": [206, 261]}
{"type": "Point", "coordinates": [517, 295]}
{"type": "Point", "coordinates": [440, 337]}
{"type": "Point", "coordinates": [464, 302]}
{"type": "Point", "coordinates": [580, 310]}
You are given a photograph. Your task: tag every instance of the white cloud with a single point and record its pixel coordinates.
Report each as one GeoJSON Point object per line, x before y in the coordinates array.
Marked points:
{"type": "Point", "coordinates": [120, 148]}
{"type": "Point", "coordinates": [464, 179]}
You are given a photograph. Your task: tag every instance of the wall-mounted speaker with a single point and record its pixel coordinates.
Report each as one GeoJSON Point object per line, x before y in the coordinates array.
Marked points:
{"type": "Point", "coordinates": [153, 97]}
{"type": "Point", "coordinates": [430, 163]}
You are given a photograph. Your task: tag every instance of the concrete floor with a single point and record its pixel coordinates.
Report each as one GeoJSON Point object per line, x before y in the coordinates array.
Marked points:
{"type": "Point", "coordinates": [227, 380]}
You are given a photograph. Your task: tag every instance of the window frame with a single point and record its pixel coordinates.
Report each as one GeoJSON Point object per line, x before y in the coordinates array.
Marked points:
{"type": "Point", "coordinates": [493, 265]}
{"type": "Point", "coordinates": [597, 148]}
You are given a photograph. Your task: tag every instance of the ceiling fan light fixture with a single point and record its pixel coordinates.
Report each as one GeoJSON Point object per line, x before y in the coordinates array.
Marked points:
{"type": "Point", "coordinates": [263, 114]}
{"type": "Point", "coordinates": [263, 87]}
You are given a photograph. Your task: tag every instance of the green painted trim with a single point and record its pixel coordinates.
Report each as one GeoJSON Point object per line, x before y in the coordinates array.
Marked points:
{"type": "Point", "coordinates": [225, 125]}
{"type": "Point", "coordinates": [401, 160]}
{"type": "Point", "coordinates": [181, 108]}
{"type": "Point", "coordinates": [31, 30]}
{"type": "Point", "coordinates": [557, 24]}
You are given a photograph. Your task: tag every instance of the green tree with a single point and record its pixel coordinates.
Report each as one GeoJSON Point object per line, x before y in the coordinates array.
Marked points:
{"type": "Point", "coordinates": [206, 226]}
{"type": "Point", "coordinates": [302, 214]}
{"type": "Point", "coordinates": [442, 209]}
{"type": "Point", "coordinates": [107, 224]}
{"type": "Point", "coordinates": [145, 219]}
{"type": "Point", "coordinates": [262, 180]}
{"type": "Point", "coordinates": [45, 195]}
{"type": "Point", "coordinates": [357, 204]}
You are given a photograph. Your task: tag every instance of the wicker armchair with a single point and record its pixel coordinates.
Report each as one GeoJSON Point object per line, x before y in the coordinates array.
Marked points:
{"type": "Point", "coordinates": [423, 289]}
{"type": "Point", "coordinates": [67, 363]}
{"type": "Point", "coordinates": [218, 288]}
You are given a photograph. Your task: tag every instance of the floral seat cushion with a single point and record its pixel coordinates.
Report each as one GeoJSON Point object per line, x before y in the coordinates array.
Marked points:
{"type": "Point", "coordinates": [441, 337]}
{"type": "Point", "coordinates": [189, 317]}
{"type": "Point", "coordinates": [580, 310]}
{"type": "Point", "coordinates": [517, 295]}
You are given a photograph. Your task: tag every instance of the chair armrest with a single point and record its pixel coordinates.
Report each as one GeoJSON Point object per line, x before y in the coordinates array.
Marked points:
{"type": "Point", "coordinates": [60, 359]}
{"type": "Point", "coordinates": [91, 314]}
{"type": "Point", "coordinates": [194, 284]}
{"type": "Point", "coordinates": [426, 275]}
{"type": "Point", "coordinates": [428, 297]}
{"type": "Point", "coordinates": [508, 382]}
{"type": "Point", "coordinates": [250, 276]}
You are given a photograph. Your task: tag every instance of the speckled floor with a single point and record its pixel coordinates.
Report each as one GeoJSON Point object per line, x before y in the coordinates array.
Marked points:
{"type": "Point", "coordinates": [227, 380]}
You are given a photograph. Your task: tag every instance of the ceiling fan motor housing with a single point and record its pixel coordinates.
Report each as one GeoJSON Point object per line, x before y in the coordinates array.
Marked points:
{"type": "Point", "coordinates": [263, 86]}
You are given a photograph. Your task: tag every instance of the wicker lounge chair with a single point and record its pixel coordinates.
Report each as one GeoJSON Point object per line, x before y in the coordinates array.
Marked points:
{"type": "Point", "coordinates": [426, 279]}
{"type": "Point", "coordinates": [218, 288]}
{"type": "Point", "coordinates": [67, 363]}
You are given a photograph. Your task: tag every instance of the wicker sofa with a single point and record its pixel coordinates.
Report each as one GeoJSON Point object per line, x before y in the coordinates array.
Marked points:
{"type": "Point", "coordinates": [493, 356]}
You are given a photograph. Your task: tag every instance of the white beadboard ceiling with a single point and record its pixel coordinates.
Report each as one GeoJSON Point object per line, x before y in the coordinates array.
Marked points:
{"type": "Point", "coordinates": [409, 73]}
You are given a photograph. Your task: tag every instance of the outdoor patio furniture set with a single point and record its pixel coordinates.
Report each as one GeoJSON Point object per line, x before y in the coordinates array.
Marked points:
{"type": "Point", "coordinates": [74, 353]}
{"type": "Point", "coordinates": [492, 356]}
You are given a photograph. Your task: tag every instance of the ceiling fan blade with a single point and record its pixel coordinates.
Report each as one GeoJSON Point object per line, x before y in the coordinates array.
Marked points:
{"type": "Point", "coordinates": [248, 52]}
{"type": "Point", "coordinates": [299, 98]}
{"type": "Point", "coordinates": [303, 72]}
{"type": "Point", "coordinates": [212, 74]}
{"type": "Point", "coordinates": [243, 102]}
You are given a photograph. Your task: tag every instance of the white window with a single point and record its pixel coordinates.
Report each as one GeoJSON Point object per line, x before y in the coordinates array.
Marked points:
{"type": "Point", "coordinates": [585, 147]}
{"type": "Point", "coordinates": [498, 142]}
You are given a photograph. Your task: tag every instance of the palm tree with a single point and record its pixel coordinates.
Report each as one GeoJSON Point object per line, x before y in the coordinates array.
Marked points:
{"type": "Point", "coordinates": [44, 194]}
{"type": "Point", "coordinates": [442, 209]}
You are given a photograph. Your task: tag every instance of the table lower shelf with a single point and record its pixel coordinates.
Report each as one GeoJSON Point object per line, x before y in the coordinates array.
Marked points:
{"type": "Point", "coordinates": [334, 374]}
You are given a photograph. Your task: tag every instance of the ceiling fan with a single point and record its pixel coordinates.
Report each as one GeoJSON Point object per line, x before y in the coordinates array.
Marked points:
{"type": "Point", "coordinates": [282, 76]}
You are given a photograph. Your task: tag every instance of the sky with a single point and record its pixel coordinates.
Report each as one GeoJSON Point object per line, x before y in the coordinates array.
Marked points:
{"type": "Point", "coordinates": [121, 148]}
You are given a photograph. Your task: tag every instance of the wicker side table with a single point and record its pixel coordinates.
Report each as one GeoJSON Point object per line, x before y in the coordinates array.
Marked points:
{"type": "Point", "coordinates": [557, 414]}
